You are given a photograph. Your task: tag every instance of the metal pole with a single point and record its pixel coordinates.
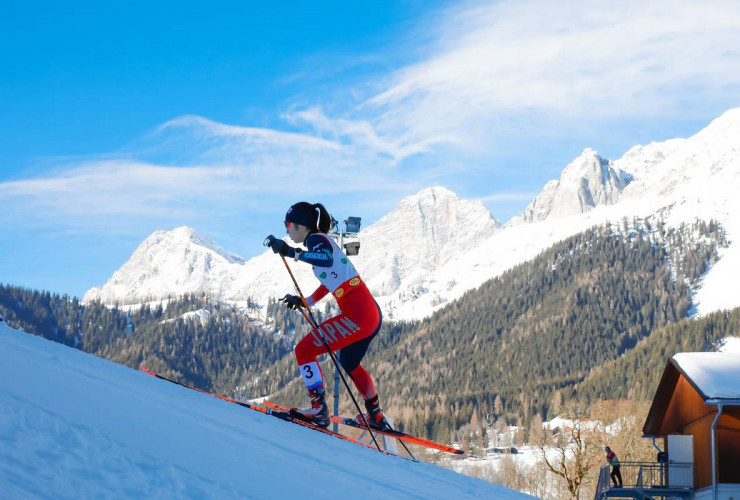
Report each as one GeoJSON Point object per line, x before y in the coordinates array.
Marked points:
{"type": "Point", "coordinates": [714, 439]}
{"type": "Point", "coordinates": [336, 367]}
{"type": "Point", "coordinates": [336, 397]}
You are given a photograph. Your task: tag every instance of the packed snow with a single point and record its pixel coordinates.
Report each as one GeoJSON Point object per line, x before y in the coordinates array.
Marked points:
{"type": "Point", "coordinates": [730, 344]}
{"type": "Point", "coordinates": [715, 374]}
{"type": "Point", "coordinates": [76, 426]}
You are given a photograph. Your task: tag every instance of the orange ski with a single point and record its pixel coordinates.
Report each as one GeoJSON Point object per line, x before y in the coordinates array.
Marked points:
{"type": "Point", "coordinates": [281, 414]}
{"type": "Point", "coordinates": [351, 422]}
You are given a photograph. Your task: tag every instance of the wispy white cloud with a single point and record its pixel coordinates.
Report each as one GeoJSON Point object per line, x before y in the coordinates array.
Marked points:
{"type": "Point", "coordinates": [249, 137]}
{"type": "Point", "coordinates": [109, 192]}
{"type": "Point", "coordinates": [489, 68]}
{"type": "Point", "coordinates": [572, 60]}
{"type": "Point", "coordinates": [193, 168]}
{"type": "Point", "coordinates": [361, 133]}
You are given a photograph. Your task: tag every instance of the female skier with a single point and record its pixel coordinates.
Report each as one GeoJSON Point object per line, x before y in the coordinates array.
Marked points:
{"type": "Point", "coordinates": [350, 332]}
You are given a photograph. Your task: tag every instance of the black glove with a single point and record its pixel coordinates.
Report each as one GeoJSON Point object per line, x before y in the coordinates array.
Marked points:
{"type": "Point", "coordinates": [279, 246]}
{"type": "Point", "coordinates": [292, 301]}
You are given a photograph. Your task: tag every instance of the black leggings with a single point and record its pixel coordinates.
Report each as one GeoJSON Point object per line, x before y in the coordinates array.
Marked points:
{"type": "Point", "coordinates": [616, 475]}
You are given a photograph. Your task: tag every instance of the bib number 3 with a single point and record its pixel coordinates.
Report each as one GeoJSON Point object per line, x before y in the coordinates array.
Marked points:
{"type": "Point", "coordinates": [311, 374]}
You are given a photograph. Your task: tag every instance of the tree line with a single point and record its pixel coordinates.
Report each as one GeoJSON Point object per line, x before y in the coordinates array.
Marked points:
{"type": "Point", "coordinates": [564, 326]}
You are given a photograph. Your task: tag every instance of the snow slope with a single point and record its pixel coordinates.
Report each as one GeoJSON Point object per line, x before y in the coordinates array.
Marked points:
{"type": "Point", "coordinates": [76, 426]}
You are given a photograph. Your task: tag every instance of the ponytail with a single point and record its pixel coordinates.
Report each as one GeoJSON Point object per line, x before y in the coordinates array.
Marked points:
{"type": "Point", "coordinates": [324, 220]}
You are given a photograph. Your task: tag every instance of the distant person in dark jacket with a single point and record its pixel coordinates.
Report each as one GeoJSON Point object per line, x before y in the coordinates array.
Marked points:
{"type": "Point", "coordinates": [616, 475]}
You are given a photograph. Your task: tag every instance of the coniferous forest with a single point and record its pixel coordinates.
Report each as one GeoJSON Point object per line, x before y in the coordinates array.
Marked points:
{"type": "Point", "coordinates": [595, 317]}
{"type": "Point", "coordinates": [222, 351]}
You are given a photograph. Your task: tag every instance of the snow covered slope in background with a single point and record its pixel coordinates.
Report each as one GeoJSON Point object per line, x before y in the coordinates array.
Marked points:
{"type": "Point", "coordinates": [180, 260]}
{"type": "Point", "coordinates": [76, 426]}
{"type": "Point", "coordinates": [677, 181]}
{"type": "Point", "coordinates": [433, 246]}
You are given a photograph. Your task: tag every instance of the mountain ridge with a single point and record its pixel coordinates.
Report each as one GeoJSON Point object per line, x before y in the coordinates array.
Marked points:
{"type": "Point", "coordinates": [434, 210]}
{"type": "Point", "coordinates": [434, 246]}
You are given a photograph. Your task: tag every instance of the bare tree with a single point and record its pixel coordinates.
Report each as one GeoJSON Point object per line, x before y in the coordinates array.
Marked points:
{"type": "Point", "coordinates": [498, 407]}
{"type": "Point", "coordinates": [621, 428]}
{"type": "Point", "coordinates": [574, 453]}
{"type": "Point", "coordinates": [510, 474]}
{"type": "Point", "coordinates": [536, 483]}
{"type": "Point", "coordinates": [536, 431]}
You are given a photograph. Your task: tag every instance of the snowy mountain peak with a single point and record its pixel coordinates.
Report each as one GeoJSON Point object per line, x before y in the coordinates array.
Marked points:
{"type": "Point", "coordinates": [434, 246]}
{"type": "Point", "coordinates": [438, 206]}
{"type": "Point", "coordinates": [655, 170]}
{"type": "Point", "coordinates": [438, 201]}
{"type": "Point", "coordinates": [725, 124]}
{"type": "Point", "coordinates": [430, 196]}
{"type": "Point", "coordinates": [424, 231]}
{"type": "Point", "coordinates": [185, 236]}
{"type": "Point", "coordinates": [705, 163]}
{"type": "Point", "coordinates": [586, 182]}
{"type": "Point", "coordinates": [586, 163]}
{"type": "Point", "coordinates": [169, 263]}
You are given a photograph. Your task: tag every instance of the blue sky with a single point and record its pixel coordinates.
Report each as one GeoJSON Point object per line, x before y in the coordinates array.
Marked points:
{"type": "Point", "coordinates": [119, 120]}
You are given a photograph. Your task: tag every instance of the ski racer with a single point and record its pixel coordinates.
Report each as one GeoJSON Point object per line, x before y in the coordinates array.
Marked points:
{"type": "Point", "coordinates": [350, 332]}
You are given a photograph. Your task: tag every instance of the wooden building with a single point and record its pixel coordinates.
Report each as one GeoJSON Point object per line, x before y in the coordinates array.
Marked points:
{"type": "Point", "coordinates": [696, 410]}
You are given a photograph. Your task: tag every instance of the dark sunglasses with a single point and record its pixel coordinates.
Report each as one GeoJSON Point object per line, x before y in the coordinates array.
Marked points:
{"type": "Point", "coordinates": [287, 224]}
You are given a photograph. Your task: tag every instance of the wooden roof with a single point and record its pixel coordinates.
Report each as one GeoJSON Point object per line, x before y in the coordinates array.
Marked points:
{"type": "Point", "coordinates": [711, 375]}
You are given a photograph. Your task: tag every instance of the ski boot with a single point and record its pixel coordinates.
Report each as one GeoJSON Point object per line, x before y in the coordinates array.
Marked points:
{"type": "Point", "coordinates": [374, 416]}
{"type": "Point", "coordinates": [318, 413]}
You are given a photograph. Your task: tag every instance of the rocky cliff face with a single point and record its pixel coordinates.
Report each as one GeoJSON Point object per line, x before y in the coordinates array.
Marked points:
{"type": "Point", "coordinates": [588, 181]}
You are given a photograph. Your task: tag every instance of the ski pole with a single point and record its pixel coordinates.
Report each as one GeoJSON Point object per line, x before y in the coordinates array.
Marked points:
{"type": "Point", "coordinates": [315, 326]}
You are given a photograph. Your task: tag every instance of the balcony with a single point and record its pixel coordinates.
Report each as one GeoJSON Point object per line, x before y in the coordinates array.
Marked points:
{"type": "Point", "coordinates": [648, 480]}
